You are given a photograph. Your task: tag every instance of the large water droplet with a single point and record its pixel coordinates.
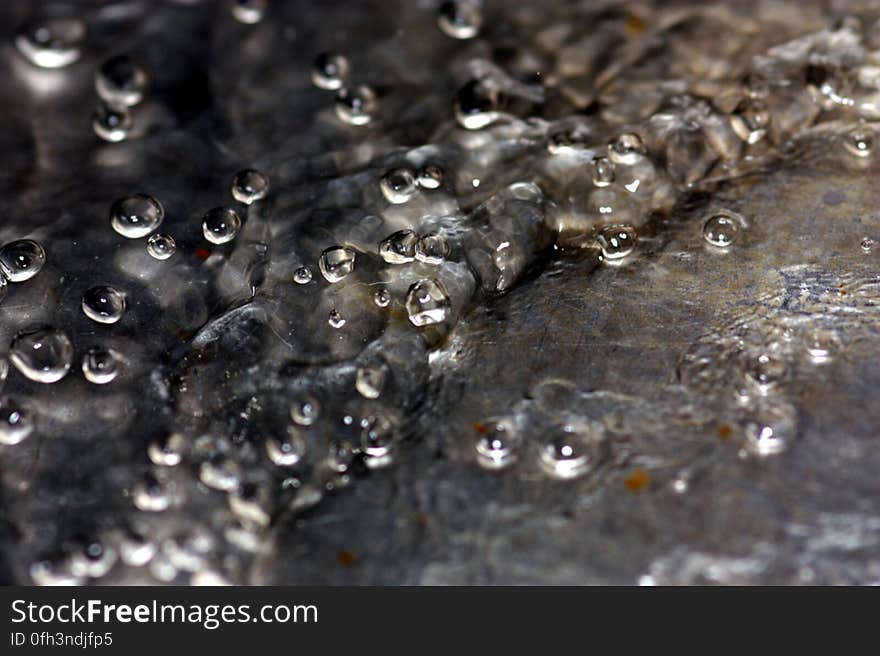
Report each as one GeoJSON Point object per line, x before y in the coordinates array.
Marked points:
{"type": "Point", "coordinates": [43, 355]}
{"type": "Point", "coordinates": [616, 242]}
{"type": "Point", "coordinates": [103, 304]}
{"type": "Point", "coordinates": [336, 263]}
{"type": "Point", "coordinates": [722, 229]}
{"type": "Point", "coordinates": [22, 259]}
{"type": "Point", "coordinates": [249, 186]}
{"type": "Point", "coordinates": [121, 82]}
{"type": "Point", "coordinates": [220, 225]}
{"type": "Point", "coordinates": [52, 42]}
{"type": "Point", "coordinates": [432, 249]}
{"type": "Point", "coordinates": [161, 246]}
{"type": "Point", "coordinates": [136, 216]}
{"type": "Point", "coordinates": [399, 247]}
{"type": "Point", "coordinates": [427, 303]}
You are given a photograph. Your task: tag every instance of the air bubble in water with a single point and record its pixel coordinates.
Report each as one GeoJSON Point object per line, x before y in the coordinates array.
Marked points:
{"type": "Point", "coordinates": [220, 225]}
{"type": "Point", "coordinates": [305, 410]}
{"type": "Point", "coordinates": [288, 450]}
{"type": "Point", "coordinates": [302, 275]}
{"type": "Point", "coordinates": [398, 186]}
{"type": "Point", "coordinates": [103, 304]}
{"type": "Point", "coordinates": [161, 246]}
{"type": "Point", "coordinates": [121, 82]}
{"type": "Point", "coordinates": [112, 124]}
{"type": "Point", "coordinates": [16, 422]}
{"type": "Point", "coordinates": [335, 319]}
{"type": "Point", "coordinates": [569, 453]}
{"type": "Point", "coordinates": [430, 177]}
{"type": "Point", "coordinates": [22, 259]}
{"type": "Point", "coordinates": [721, 229]}
{"type": "Point", "coordinates": [249, 186]}
{"type": "Point", "coordinates": [356, 105]}
{"type": "Point", "coordinates": [602, 171]}
{"type": "Point", "coordinates": [497, 444]}
{"type": "Point", "coordinates": [616, 242]}
{"type": "Point", "coordinates": [859, 141]}
{"type": "Point", "coordinates": [427, 303]}
{"type": "Point", "coordinates": [336, 263]}
{"type": "Point", "coordinates": [370, 380]}
{"type": "Point", "coordinates": [136, 216]}
{"type": "Point", "coordinates": [626, 149]}
{"type": "Point", "coordinates": [43, 355]}
{"type": "Point", "coordinates": [460, 19]}
{"type": "Point", "coordinates": [52, 42]}
{"type": "Point", "coordinates": [399, 247]}
{"type": "Point", "coordinates": [381, 298]}
{"type": "Point", "coordinates": [167, 451]}
{"type": "Point", "coordinates": [249, 12]}
{"type": "Point", "coordinates": [100, 365]}
{"type": "Point", "coordinates": [432, 249]}
{"type": "Point", "coordinates": [330, 71]}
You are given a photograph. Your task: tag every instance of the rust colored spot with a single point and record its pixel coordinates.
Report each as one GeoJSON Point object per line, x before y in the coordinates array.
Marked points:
{"type": "Point", "coordinates": [724, 431]}
{"type": "Point", "coordinates": [635, 26]}
{"type": "Point", "coordinates": [480, 428]}
{"type": "Point", "coordinates": [637, 481]}
{"type": "Point", "coordinates": [345, 558]}
{"type": "Point", "coordinates": [203, 253]}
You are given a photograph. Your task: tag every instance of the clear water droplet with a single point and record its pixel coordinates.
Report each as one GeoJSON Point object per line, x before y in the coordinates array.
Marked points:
{"type": "Point", "coordinates": [135, 549]}
{"type": "Point", "coordinates": [220, 472]}
{"type": "Point", "coordinates": [381, 298]}
{"type": "Point", "coordinates": [302, 275]}
{"type": "Point", "coordinates": [750, 120]}
{"type": "Point", "coordinates": [287, 450]}
{"type": "Point", "coordinates": [432, 249]}
{"type": "Point", "coordinates": [370, 379]}
{"type": "Point", "coordinates": [498, 443]}
{"type": "Point", "coordinates": [377, 440]}
{"type": "Point", "coordinates": [335, 319]}
{"type": "Point", "coordinates": [399, 247]}
{"type": "Point", "coordinates": [22, 259]}
{"type": "Point", "coordinates": [427, 303]}
{"type": "Point", "coordinates": [460, 19]}
{"type": "Point", "coordinates": [602, 171]}
{"type": "Point", "coordinates": [616, 242]}
{"type": "Point", "coordinates": [626, 149]}
{"type": "Point", "coordinates": [568, 452]}
{"type": "Point", "coordinates": [822, 344]}
{"type": "Point", "coordinates": [476, 106]}
{"type": "Point", "coordinates": [398, 186]}
{"type": "Point", "coordinates": [220, 225]}
{"type": "Point", "coordinates": [167, 450]}
{"type": "Point", "coordinates": [43, 355]}
{"type": "Point", "coordinates": [52, 42]}
{"type": "Point", "coordinates": [136, 216]}
{"type": "Point", "coordinates": [430, 177]}
{"type": "Point", "coordinates": [330, 71]}
{"type": "Point", "coordinates": [161, 246]}
{"type": "Point", "coordinates": [867, 244]}
{"type": "Point", "coordinates": [305, 410]}
{"type": "Point", "coordinates": [356, 105]}
{"type": "Point", "coordinates": [722, 229]}
{"type": "Point", "coordinates": [770, 430]}
{"type": "Point", "coordinates": [336, 263]}
{"type": "Point", "coordinates": [249, 186]}
{"type": "Point", "coordinates": [859, 141]}
{"type": "Point", "coordinates": [763, 371]}
{"type": "Point", "coordinates": [103, 304]}
{"type": "Point", "coordinates": [112, 124]}
{"type": "Point", "coordinates": [121, 82]}
{"type": "Point", "coordinates": [92, 559]}
{"type": "Point", "coordinates": [150, 494]}
{"type": "Point", "coordinates": [101, 365]}
{"type": "Point", "coordinates": [16, 422]}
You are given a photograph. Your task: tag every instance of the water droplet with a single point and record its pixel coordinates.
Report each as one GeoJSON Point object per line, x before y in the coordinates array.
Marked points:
{"type": "Point", "coordinates": [16, 422]}
{"type": "Point", "coordinates": [101, 365]}
{"type": "Point", "coordinates": [763, 371]}
{"type": "Point", "coordinates": [497, 444]}
{"type": "Point", "coordinates": [330, 71]}
{"type": "Point", "coordinates": [432, 249]}
{"type": "Point", "coordinates": [249, 186]}
{"type": "Point", "coordinates": [150, 495]}
{"type": "Point", "coordinates": [92, 559]}
{"type": "Point", "coordinates": [288, 450]}
{"type": "Point", "coordinates": [476, 106]}
{"type": "Point", "coordinates": [167, 451]}
{"type": "Point", "coordinates": [460, 19]}
{"type": "Point", "coordinates": [22, 259]}
{"type": "Point", "coordinates": [53, 571]}
{"type": "Point", "coordinates": [43, 355]}
{"type": "Point", "coordinates": [859, 141]}
{"type": "Point", "coordinates": [220, 473]}
{"type": "Point", "coordinates": [112, 124]}
{"type": "Point", "coordinates": [750, 120]}
{"type": "Point", "coordinates": [821, 344]}
{"type": "Point", "coordinates": [430, 177]}
{"type": "Point", "coordinates": [616, 241]}
{"type": "Point", "coordinates": [382, 298]}
{"type": "Point", "coordinates": [602, 171]}
{"type": "Point", "coordinates": [305, 410]}
{"type": "Point", "coordinates": [103, 304]}
{"type": "Point", "coordinates": [867, 244]}
{"type": "Point", "coordinates": [336, 263]}
{"type": "Point", "coordinates": [249, 12]}
{"type": "Point", "coordinates": [771, 430]}
{"type": "Point", "coordinates": [427, 303]}
{"type": "Point", "coordinates": [135, 549]}
{"type": "Point", "coordinates": [356, 105]}
{"type": "Point", "coordinates": [302, 275]}
{"type": "Point", "coordinates": [370, 379]}
{"type": "Point", "coordinates": [399, 247]}
{"type": "Point", "coordinates": [398, 186]}
{"type": "Point", "coordinates": [569, 453]}
{"type": "Point", "coordinates": [52, 42]}
{"type": "Point", "coordinates": [335, 319]}
{"type": "Point", "coordinates": [377, 440]}
{"type": "Point", "coordinates": [220, 225]}
{"type": "Point", "coordinates": [721, 229]}
{"type": "Point", "coordinates": [626, 149]}
{"type": "Point", "coordinates": [121, 82]}
{"type": "Point", "coordinates": [161, 246]}
{"type": "Point", "coordinates": [136, 216]}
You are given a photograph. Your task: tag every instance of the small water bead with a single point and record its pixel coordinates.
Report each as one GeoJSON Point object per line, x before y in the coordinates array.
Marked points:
{"type": "Point", "coordinates": [101, 365]}
{"type": "Point", "coordinates": [121, 82]}
{"type": "Point", "coordinates": [356, 105]}
{"type": "Point", "coordinates": [771, 430]}
{"type": "Point", "coordinates": [22, 259]}
{"type": "Point", "coordinates": [220, 225]}
{"type": "Point", "coordinates": [302, 275]}
{"type": "Point", "coordinates": [220, 473]}
{"type": "Point", "coordinates": [569, 453]}
{"type": "Point", "coordinates": [16, 422]}
{"type": "Point", "coordinates": [136, 216]}
{"type": "Point", "coordinates": [305, 410]}
{"type": "Point", "coordinates": [161, 246]}
{"type": "Point", "coordinates": [859, 142]}
{"type": "Point", "coordinates": [382, 298]}
{"type": "Point", "coordinates": [335, 319]}
{"type": "Point", "coordinates": [427, 303]}
{"type": "Point", "coordinates": [167, 451]}
{"type": "Point", "coordinates": [112, 124]}
{"type": "Point", "coordinates": [288, 450]}
{"type": "Point", "coordinates": [616, 242]}
{"type": "Point", "coordinates": [135, 549]}
{"type": "Point", "coordinates": [476, 106]}
{"type": "Point", "coordinates": [370, 379]}
{"type": "Point", "coordinates": [52, 42]}
{"type": "Point", "coordinates": [93, 559]}
{"type": "Point", "coordinates": [432, 249]}
{"type": "Point", "coordinates": [721, 230]}
{"type": "Point", "coordinates": [430, 177]}
{"type": "Point", "coordinates": [867, 244]}
{"type": "Point", "coordinates": [626, 149]}
{"type": "Point", "coordinates": [498, 443]}
{"type": "Point", "coordinates": [249, 12]}
{"type": "Point", "coordinates": [330, 71]}
{"type": "Point", "coordinates": [249, 186]}
{"type": "Point", "coordinates": [336, 263]}
{"type": "Point", "coordinates": [150, 495]}
{"type": "Point", "coordinates": [460, 19]}
{"type": "Point", "coordinates": [252, 504]}
{"type": "Point", "coordinates": [399, 247]}
{"type": "Point", "coordinates": [602, 171]}
{"type": "Point", "coordinates": [43, 355]}
{"type": "Point", "coordinates": [103, 304]}
{"type": "Point", "coordinates": [398, 186]}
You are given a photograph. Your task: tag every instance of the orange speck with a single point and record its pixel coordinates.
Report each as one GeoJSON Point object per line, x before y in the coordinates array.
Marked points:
{"type": "Point", "coordinates": [724, 431]}
{"type": "Point", "coordinates": [634, 26]}
{"type": "Point", "coordinates": [345, 558]}
{"type": "Point", "coordinates": [637, 481]}
{"type": "Point", "coordinates": [203, 253]}
{"type": "Point", "coordinates": [480, 428]}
